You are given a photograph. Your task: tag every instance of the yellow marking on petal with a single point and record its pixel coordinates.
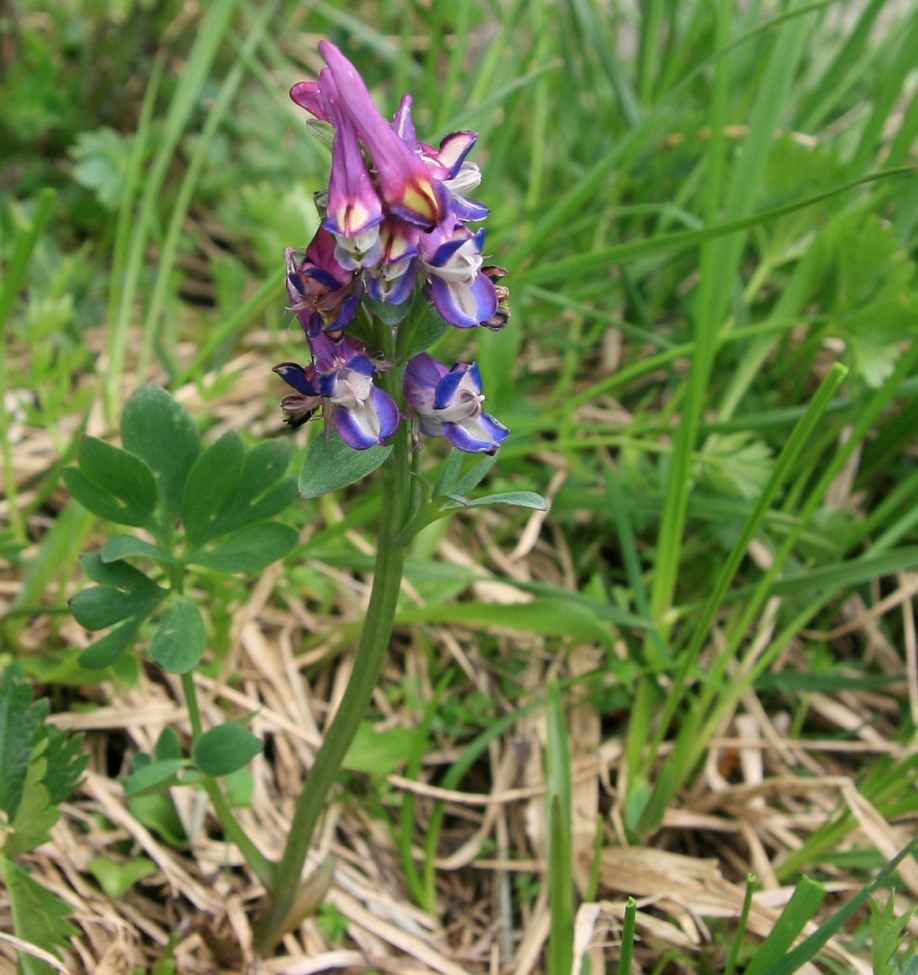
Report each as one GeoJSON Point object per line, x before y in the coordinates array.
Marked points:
{"type": "Point", "coordinates": [356, 216]}
{"type": "Point", "coordinates": [422, 200]}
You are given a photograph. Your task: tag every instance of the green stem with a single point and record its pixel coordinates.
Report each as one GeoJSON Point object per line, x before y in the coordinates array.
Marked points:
{"type": "Point", "coordinates": [260, 864]}
{"type": "Point", "coordinates": [371, 652]}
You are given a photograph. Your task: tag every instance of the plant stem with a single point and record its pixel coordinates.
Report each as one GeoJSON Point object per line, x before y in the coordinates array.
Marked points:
{"type": "Point", "coordinates": [260, 864]}
{"type": "Point", "coordinates": [371, 652]}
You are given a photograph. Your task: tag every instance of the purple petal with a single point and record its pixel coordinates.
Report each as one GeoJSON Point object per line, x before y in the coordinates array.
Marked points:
{"type": "Point", "coordinates": [308, 95]}
{"type": "Point", "coordinates": [371, 423]}
{"type": "Point", "coordinates": [481, 435]}
{"type": "Point", "coordinates": [464, 304]}
{"type": "Point", "coordinates": [296, 376]}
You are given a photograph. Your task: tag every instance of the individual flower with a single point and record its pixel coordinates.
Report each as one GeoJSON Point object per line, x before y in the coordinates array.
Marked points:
{"type": "Point", "coordinates": [448, 402]}
{"type": "Point", "coordinates": [323, 294]}
{"type": "Point", "coordinates": [451, 258]}
{"type": "Point", "coordinates": [302, 405]}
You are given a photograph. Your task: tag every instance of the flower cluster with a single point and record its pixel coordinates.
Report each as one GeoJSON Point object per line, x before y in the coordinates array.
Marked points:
{"type": "Point", "coordinates": [395, 217]}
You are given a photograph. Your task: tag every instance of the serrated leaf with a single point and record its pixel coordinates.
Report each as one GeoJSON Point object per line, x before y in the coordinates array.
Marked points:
{"type": "Point", "coordinates": [158, 430]}
{"type": "Point", "coordinates": [35, 816]}
{"type": "Point", "coordinates": [153, 776]}
{"type": "Point", "coordinates": [225, 749]}
{"type": "Point", "coordinates": [120, 547]}
{"type": "Point", "coordinates": [249, 549]}
{"type": "Point", "coordinates": [20, 719]}
{"type": "Point", "coordinates": [331, 464]}
{"type": "Point", "coordinates": [734, 464]}
{"type": "Point", "coordinates": [181, 639]}
{"type": "Point", "coordinates": [117, 878]}
{"type": "Point", "coordinates": [39, 917]}
{"type": "Point", "coordinates": [106, 650]}
{"type": "Point", "coordinates": [66, 762]}
{"type": "Point", "coordinates": [120, 474]}
{"type": "Point", "coordinates": [518, 499]}
{"type": "Point", "coordinates": [213, 478]}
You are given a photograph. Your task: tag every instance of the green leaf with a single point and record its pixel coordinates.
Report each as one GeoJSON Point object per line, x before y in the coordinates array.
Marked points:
{"type": "Point", "coordinates": [35, 816]}
{"type": "Point", "coordinates": [119, 574]}
{"type": "Point", "coordinates": [378, 752]}
{"type": "Point", "coordinates": [105, 651]}
{"type": "Point", "coordinates": [735, 464]}
{"type": "Point", "coordinates": [211, 482]}
{"type": "Point", "coordinates": [153, 776]}
{"type": "Point", "coordinates": [66, 761]}
{"type": "Point", "coordinates": [39, 917]}
{"type": "Point", "coordinates": [331, 464]}
{"type": "Point", "coordinates": [249, 549]}
{"type": "Point", "coordinates": [102, 606]}
{"type": "Point", "coordinates": [263, 489]}
{"type": "Point", "coordinates": [797, 913]}
{"type": "Point", "coordinates": [168, 745]}
{"type": "Point", "coordinates": [225, 749]}
{"type": "Point", "coordinates": [548, 617]}
{"type": "Point", "coordinates": [158, 430]}
{"type": "Point", "coordinates": [157, 812]}
{"type": "Point", "coordinates": [100, 502]}
{"type": "Point", "coordinates": [181, 639]}
{"type": "Point", "coordinates": [518, 499]}
{"type": "Point", "coordinates": [117, 878]}
{"type": "Point", "coordinates": [20, 719]}
{"type": "Point", "coordinates": [121, 475]}
{"type": "Point", "coordinates": [120, 547]}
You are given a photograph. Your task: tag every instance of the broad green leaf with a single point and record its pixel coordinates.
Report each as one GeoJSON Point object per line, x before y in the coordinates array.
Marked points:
{"type": "Point", "coordinates": [105, 651]}
{"type": "Point", "coordinates": [100, 502]}
{"type": "Point", "coordinates": [225, 749]}
{"type": "Point", "coordinates": [117, 878]}
{"type": "Point", "coordinates": [102, 606]}
{"type": "Point", "coordinates": [20, 719]}
{"type": "Point", "coordinates": [157, 812]}
{"type": "Point", "coordinates": [120, 474]}
{"type": "Point", "coordinates": [249, 549]}
{"type": "Point", "coordinates": [331, 464]}
{"type": "Point", "coordinates": [119, 574]}
{"type": "Point", "coordinates": [181, 639]}
{"type": "Point", "coordinates": [153, 776]}
{"type": "Point", "coordinates": [518, 499]}
{"type": "Point", "coordinates": [211, 482]}
{"type": "Point", "coordinates": [39, 917]}
{"type": "Point", "coordinates": [158, 430]}
{"type": "Point", "coordinates": [121, 547]}
{"type": "Point", "coordinates": [734, 464]}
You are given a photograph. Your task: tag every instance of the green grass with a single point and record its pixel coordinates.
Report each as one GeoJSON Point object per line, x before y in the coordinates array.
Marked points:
{"type": "Point", "coordinates": [709, 216]}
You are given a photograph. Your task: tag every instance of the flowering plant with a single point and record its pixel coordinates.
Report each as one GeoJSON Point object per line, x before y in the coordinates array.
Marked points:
{"type": "Point", "coordinates": [393, 266]}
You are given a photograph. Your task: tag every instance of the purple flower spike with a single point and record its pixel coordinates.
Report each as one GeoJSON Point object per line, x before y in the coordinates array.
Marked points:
{"type": "Point", "coordinates": [461, 292]}
{"type": "Point", "coordinates": [448, 404]}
